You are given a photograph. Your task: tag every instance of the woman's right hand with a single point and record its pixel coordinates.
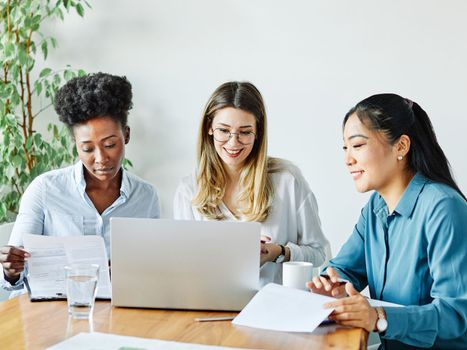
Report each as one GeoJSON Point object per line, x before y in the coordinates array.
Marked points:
{"type": "Point", "coordinates": [328, 285]}
{"type": "Point", "coordinates": [13, 260]}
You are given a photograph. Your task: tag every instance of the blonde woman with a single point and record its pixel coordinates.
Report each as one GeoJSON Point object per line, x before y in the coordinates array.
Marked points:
{"type": "Point", "coordinates": [236, 180]}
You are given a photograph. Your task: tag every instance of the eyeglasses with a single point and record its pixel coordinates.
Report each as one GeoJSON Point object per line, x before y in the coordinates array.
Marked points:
{"type": "Point", "coordinates": [243, 137]}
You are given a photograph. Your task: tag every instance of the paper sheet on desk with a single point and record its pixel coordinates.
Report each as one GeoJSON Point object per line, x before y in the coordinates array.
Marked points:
{"type": "Point", "coordinates": [49, 254]}
{"type": "Point", "coordinates": [280, 308]}
{"type": "Point", "coordinates": [102, 341]}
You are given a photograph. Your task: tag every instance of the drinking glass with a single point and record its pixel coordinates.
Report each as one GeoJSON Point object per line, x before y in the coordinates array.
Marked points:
{"type": "Point", "coordinates": [81, 288]}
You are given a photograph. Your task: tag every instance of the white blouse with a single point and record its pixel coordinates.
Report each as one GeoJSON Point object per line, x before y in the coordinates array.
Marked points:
{"type": "Point", "coordinates": [293, 219]}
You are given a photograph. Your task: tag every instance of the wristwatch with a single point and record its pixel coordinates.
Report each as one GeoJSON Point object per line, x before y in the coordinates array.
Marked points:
{"type": "Point", "coordinates": [281, 257]}
{"type": "Point", "coordinates": [381, 323]}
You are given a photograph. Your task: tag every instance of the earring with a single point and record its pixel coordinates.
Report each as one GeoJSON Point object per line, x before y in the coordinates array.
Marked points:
{"type": "Point", "coordinates": [400, 157]}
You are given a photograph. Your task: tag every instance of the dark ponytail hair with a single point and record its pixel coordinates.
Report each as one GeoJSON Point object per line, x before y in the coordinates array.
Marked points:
{"type": "Point", "coordinates": [395, 116]}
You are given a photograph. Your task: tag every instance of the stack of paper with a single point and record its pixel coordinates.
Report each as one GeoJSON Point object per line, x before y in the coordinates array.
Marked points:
{"type": "Point", "coordinates": [286, 309]}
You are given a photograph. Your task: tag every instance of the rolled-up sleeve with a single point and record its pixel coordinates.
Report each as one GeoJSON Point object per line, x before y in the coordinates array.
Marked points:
{"type": "Point", "coordinates": [19, 285]}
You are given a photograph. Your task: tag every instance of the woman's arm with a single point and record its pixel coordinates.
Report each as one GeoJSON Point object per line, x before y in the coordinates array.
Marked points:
{"type": "Point", "coordinates": [182, 207]}
{"type": "Point", "coordinates": [30, 219]}
{"type": "Point", "coordinates": [350, 262]}
{"type": "Point", "coordinates": [445, 318]}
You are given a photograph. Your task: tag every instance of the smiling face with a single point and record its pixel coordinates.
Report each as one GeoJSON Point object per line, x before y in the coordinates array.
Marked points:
{"type": "Point", "coordinates": [371, 160]}
{"type": "Point", "coordinates": [101, 147]}
{"type": "Point", "coordinates": [232, 152]}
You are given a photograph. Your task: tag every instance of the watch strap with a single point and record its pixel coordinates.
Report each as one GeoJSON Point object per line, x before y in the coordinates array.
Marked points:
{"type": "Point", "coordinates": [282, 254]}
{"type": "Point", "coordinates": [381, 322]}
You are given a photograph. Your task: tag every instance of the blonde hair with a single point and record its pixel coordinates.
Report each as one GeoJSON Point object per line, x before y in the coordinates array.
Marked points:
{"type": "Point", "coordinates": [256, 186]}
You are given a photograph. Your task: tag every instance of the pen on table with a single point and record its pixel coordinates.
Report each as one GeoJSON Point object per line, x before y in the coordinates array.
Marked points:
{"type": "Point", "coordinates": [339, 280]}
{"type": "Point", "coordinates": [327, 322]}
{"type": "Point", "coordinates": [207, 319]}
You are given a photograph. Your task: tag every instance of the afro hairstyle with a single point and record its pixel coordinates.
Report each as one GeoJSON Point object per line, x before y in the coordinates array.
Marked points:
{"type": "Point", "coordinates": [94, 95]}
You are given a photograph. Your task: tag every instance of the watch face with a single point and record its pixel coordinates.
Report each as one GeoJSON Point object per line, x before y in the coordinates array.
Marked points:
{"type": "Point", "coordinates": [381, 325]}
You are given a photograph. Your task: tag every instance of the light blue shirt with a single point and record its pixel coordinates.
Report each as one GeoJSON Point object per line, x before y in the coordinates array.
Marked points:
{"type": "Point", "coordinates": [56, 204]}
{"type": "Point", "coordinates": [416, 256]}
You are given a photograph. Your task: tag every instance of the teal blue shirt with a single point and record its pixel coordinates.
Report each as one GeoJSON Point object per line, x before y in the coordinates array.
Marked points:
{"type": "Point", "coordinates": [416, 256]}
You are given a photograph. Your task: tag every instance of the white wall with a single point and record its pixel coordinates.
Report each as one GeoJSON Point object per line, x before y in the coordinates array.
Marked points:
{"type": "Point", "coordinates": [312, 60]}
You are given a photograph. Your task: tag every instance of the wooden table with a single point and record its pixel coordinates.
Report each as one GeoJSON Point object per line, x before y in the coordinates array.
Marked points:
{"type": "Point", "coordinates": [27, 325]}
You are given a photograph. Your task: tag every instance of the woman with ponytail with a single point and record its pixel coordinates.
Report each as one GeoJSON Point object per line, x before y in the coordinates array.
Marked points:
{"type": "Point", "coordinates": [409, 245]}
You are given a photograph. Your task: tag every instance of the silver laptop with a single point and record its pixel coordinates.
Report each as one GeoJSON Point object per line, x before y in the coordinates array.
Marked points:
{"type": "Point", "coordinates": [176, 264]}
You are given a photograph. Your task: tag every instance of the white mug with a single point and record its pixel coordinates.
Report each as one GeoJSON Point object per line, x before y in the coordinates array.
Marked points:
{"type": "Point", "coordinates": [295, 274]}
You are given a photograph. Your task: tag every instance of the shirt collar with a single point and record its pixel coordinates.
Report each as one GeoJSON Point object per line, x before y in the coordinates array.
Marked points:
{"type": "Point", "coordinates": [407, 203]}
{"type": "Point", "coordinates": [79, 176]}
{"type": "Point", "coordinates": [125, 187]}
{"type": "Point", "coordinates": [408, 200]}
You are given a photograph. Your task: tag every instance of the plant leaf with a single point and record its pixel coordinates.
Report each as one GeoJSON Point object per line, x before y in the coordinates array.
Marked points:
{"type": "Point", "coordinates": [44, 72]}
{"type": "Point", "coordinates": [44, 49]}
{"type": "Point", "coordinates": [53, 41]}
{"type": "Point", "coordinates": [68, 74]}
{"type": "Point", "coordinates": [38, 87]}
{"type": "Point", "coordinates": [80, 9]}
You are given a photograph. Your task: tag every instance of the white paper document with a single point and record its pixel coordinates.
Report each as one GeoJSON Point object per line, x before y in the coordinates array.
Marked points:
{"type": "Point", "coordinates": [49, 255]}
{"type": "Point", "coordinates": [103, 341]}
{"type": "Point", "coordinates": [280, 308]}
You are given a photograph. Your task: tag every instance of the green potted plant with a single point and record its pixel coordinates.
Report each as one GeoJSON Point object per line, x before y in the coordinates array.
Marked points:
{"type": "Point", "coordinates": [27, 92]}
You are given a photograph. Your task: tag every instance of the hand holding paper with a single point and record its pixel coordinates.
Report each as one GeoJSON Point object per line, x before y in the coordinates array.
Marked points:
{"type": "Point", "coordinates": [13, 260]}
{"type": "Point", "coordinates": [286, 309]}
{"type": "Point", "coordinates": [49, 255]}
{"type": "Point", "coordinates": [354, 311]}
{"type": "Point", "coordinates": [280, 308]}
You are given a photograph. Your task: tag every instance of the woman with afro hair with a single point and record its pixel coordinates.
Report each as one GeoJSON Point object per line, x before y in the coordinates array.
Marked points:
{"type": "Point", "coordinates": [80, 199]}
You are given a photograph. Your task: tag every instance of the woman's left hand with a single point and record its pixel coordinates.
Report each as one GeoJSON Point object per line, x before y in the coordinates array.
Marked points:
{"type": "Point", "coordinates": [353, 310]}
{"type": "Point", "coordinates": [269, 252]}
